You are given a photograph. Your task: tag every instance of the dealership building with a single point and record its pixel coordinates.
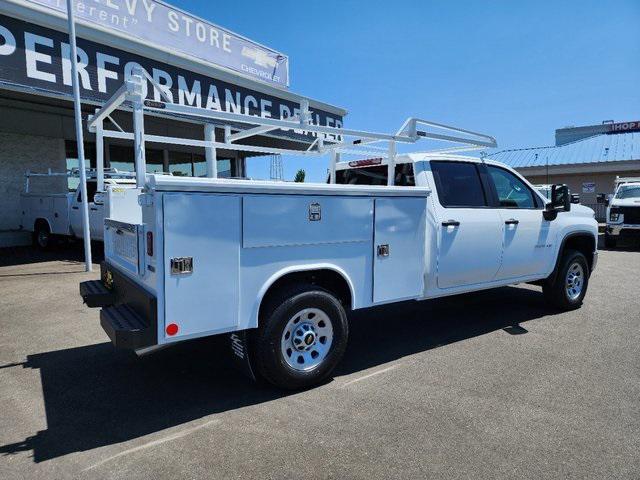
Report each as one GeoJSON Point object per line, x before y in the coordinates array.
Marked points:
{"type": "Point", "coordinates": [195, 62]}
{"type": "Point", "coordinates": [588, 159]}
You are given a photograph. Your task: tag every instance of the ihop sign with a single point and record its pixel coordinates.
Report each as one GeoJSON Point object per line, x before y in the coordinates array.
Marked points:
{"type": "Point", "coordinates": [624, 127]}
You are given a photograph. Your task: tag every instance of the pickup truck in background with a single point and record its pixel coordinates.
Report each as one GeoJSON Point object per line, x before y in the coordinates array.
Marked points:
{"type": "Point", "coordinates": [623, 212]}
{"type": "Point", "coordinates": [278, 265]}
{"type": "Point", "coordinates": [50, 215]}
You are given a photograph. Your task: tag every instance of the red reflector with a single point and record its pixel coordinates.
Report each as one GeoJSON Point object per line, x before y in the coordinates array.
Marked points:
{"type": "Point", "coordinates": [150, 244]}
{"type": "Point", "coordinates": [365, 163]}
{"type": "Point", "coordinates": [172, 329]}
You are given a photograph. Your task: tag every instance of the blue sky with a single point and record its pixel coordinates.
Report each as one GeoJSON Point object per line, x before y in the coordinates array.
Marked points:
{"type": "Point", "coordinates": [513, 69]}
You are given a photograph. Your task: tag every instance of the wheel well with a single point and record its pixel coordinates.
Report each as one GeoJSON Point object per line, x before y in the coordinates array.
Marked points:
{"type": "Point", "coordinates": [41, 222]}
{"type": "Point", "coordinates": [584, 243]}
{"type": "Point", "coordinates": [328, 279]}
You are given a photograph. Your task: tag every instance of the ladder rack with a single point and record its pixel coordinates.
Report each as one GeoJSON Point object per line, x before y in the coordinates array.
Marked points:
{"type": "Point", "coordinates": [328, 140]}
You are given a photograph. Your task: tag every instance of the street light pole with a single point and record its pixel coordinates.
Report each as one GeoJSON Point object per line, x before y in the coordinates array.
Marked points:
{"type": "Point", "coordinates": [86, 235]}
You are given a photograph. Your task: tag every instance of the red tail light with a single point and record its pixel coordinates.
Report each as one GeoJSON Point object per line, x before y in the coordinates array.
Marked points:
{"type": "Point", "coordinates": [150, 244]}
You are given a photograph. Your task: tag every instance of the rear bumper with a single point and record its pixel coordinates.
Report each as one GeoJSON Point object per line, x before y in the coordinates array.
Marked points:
{"type": "Point", "coordinates": [129, 313]}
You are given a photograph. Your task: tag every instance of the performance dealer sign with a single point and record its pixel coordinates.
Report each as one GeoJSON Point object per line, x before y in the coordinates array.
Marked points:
{"type": "Point", "coordinates": [154, 22]}
{"type": "Point", "coordinates": [39, 58]}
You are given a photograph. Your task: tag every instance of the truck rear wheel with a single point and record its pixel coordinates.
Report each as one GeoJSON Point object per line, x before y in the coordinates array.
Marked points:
{"type": "Point", "coordinates": [301, 338]}
{"type": "Point", "coordinates": [42, 236]}
{"type": "Point", "coordinates": [567, 290]}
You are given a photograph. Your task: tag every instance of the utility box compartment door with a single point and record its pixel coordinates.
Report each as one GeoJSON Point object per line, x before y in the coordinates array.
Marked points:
{"type": "Point", "coordinates": [202, 234]}
{"type": "Point", "coordinates": [399, 248]}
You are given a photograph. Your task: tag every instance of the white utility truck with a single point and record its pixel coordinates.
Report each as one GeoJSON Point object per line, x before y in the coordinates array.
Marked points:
{"type": "Point", "coordinates": [278, 265]}
{"type": "Point", "coordinates": [58, 214]}
{"type": "Point", "coordinates": [623, 212]}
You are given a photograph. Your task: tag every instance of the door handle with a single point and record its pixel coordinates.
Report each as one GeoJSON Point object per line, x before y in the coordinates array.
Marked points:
{"type": "Point", "coordinates": [75, 208]}
{"type": "Point", "coordinates": [511, 221]}
{"type": "Point", "coordinates": [451, 223]}
{"type": "Point", "coordinates": [383, 250]}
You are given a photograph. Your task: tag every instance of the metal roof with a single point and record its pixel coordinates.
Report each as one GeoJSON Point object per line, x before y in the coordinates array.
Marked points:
{"type": "Point", "coordinates": [596, 149]}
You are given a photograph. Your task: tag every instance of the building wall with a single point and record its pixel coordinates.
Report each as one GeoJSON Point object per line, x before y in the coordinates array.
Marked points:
{"type": "Point", "coordinates": [605, 182]}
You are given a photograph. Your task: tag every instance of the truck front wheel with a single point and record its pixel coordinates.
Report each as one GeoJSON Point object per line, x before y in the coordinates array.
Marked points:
{"type": "Point", "coordinates": [567, 290]}
{"type": "Point", "coordinates": [609, 241]}
{"type": "Point", "coordinates": [301, 338]}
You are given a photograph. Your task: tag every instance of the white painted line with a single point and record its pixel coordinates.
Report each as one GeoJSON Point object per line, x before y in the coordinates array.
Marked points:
{"type": "Point", "coordinates": [369, 375]}
{"type": "Point", "coordinates": [154, 443]}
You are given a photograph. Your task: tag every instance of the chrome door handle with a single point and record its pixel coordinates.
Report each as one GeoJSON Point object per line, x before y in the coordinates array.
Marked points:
{"type": "Point", "coordinates": [451, 223]}
{"type": "Point", "coordinates": [511, 221]}
{"type": "Point", "coordinates": [383, 250]}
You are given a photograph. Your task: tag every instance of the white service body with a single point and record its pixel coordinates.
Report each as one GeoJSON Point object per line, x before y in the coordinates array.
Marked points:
{"type": "Point", "coordinates": [387, 243]}
{"type": "Point", "coordinates": [62, 212]}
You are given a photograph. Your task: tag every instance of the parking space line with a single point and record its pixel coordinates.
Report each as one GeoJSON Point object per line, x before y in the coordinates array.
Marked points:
{"type": "Point", "coordinates": [369, 375]}
{"type": "Point", "coordinates": [154, 443]}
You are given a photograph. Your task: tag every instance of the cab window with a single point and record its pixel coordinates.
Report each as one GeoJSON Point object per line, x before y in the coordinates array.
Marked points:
{"type": "Point", "coordinates": [376, 175]}
{"type": "Point", "coordinates": [458, 184]}
{"type": "Point", "coordinates": [91, 191]}
{"type": "Point", "coordinates": [512, 192]}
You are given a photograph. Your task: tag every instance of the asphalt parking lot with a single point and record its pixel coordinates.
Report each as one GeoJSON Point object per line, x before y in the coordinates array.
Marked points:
{"type": "Point", "coordinates": [488, 385]}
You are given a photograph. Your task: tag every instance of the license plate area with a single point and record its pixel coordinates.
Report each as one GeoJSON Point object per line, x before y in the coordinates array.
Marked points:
{"type": "Point", "coordinates": [122, 244]}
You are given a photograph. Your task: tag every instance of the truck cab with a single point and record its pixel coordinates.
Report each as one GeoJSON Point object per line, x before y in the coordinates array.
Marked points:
{"type": "Point", "coordinates": [623, 212]}
{"type": "Point", "coordinates": [491, 225]}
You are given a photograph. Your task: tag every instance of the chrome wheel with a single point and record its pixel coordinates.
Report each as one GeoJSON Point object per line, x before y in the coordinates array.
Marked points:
{"type": "Point", "coordinates": [306, 339]}
{"type": "Point", "coordinates": [43, 238]}
{"type": "Point", "coordinates": [574, 281]}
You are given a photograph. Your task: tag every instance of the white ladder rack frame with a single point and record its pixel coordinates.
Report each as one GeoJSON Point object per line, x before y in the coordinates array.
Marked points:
{"type": "Point", "coordinates": [329, 140]}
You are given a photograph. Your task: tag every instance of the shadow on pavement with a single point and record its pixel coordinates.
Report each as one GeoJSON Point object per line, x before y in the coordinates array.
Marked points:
{"type": "Point", "coordinates": [96, 396]}
{"type": "Point", "coordinates": [68, 252]}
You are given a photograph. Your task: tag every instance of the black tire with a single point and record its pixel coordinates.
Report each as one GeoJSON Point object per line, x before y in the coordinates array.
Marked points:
{"type": "Point", "coordinates": [42, 237]}
{"type": "Point", "coordinates": [609, 241]}
{"type": "Point", "coordinates": [557, 289]}
{"type": "Point", "coordinates": [269, 357]}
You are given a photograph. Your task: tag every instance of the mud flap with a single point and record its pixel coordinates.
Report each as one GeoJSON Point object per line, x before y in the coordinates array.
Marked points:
{"type": "Point", "coordinates": [239, 343]}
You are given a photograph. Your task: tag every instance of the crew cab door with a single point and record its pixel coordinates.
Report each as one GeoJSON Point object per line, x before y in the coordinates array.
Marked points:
{"type": "Point", "coordinates": [527, 241]}
{"type": "Point", "coordinates": [75, 215]}
{"type": "Point", "coordinates": [469, 231]}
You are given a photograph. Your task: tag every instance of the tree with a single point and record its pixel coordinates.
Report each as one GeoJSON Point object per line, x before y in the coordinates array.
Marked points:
{"type": "Point", "coordinates": [300, 175]}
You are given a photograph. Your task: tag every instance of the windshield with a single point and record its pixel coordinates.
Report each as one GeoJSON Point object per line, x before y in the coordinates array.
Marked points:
{"type": "Point", "coordinates": [628, 191]}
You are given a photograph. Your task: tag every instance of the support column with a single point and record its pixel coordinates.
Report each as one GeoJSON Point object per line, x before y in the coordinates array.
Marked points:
{"type": "Point", "coordinates": [165, 160]}
{"type": "Point", "coordinates": [210, 151]}
{"type": "Point", "coordinates": [100, 156]}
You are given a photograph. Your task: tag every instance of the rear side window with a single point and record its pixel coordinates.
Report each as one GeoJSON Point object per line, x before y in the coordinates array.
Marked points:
{"type": "Point", "coordinates": [376, 175]}
{"type": "Point", "coordinates": [458, 184]}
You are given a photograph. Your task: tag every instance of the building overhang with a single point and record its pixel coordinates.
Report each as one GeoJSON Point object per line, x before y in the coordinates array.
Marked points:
{"type": "Point", "coordinates": [581, 168]}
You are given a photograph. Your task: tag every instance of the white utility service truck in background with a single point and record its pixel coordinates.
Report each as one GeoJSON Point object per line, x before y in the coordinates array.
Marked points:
{"type": "Point", "coordinates": [623, 212]}
{"type": "Point", "coordinates": [279, 265]}
{"type": "Point", "coordinates": [54, 214]}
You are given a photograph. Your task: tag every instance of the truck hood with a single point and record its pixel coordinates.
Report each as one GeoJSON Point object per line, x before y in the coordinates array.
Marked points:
{"type": "Point", "coordinates": [581, 211]}
{"type": "Point", "coordinates": [625, 202]}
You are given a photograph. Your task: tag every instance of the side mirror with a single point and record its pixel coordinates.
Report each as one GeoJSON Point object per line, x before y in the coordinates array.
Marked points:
{"type": "Point", "coordinates": [98, 198]}
{"type": "Point", "coordinates": [560, 202]}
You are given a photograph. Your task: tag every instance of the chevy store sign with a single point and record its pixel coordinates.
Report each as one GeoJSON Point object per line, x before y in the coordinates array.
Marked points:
{"type": "Point", "coordinates": [155, 22]}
